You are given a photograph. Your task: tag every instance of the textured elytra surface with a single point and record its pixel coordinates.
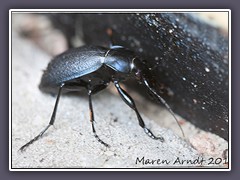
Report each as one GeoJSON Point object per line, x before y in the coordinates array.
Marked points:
{"type": "Point", "coordinates": [72, 64]}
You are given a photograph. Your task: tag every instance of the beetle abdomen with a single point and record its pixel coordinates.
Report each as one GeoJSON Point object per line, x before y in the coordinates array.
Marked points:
{"type": "Point", "coordinates": [72, 64]}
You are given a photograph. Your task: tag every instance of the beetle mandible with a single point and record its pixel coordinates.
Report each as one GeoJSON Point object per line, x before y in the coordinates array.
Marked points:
{"type": "Point", "coordinates": [93, 68]}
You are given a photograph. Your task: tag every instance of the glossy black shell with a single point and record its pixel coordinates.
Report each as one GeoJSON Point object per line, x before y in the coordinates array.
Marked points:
{"type": "Point", "coordinates": [79, 62]}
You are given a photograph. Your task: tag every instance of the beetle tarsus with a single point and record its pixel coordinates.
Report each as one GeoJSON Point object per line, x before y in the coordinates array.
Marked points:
{"type": "Point", "coordinates": [101, 141]}
{"type": "Point", "coordinates": [23, 148]}
{"type": "Point", "coordinates": [151, 135]}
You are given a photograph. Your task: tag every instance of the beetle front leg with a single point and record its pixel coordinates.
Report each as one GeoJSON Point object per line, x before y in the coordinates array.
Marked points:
{"type": "Point", "coordinates": [130, 102]}
{"type": "Point", "coordinates": [92, 119]}
{"type": "Point", "coordinates": [52, 120]}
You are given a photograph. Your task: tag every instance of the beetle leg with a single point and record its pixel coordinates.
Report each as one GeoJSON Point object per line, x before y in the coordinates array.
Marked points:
{"type": "Point", "coordinates": [50, 123]}
{"type": "Point", "coordinates": [130, 102]}
{"type": "Point", "coordinates": [92, 119]}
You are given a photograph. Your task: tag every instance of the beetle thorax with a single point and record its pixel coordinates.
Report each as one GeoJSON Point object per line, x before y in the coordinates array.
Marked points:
{"type": "Point", "coordinates": [120, 60]}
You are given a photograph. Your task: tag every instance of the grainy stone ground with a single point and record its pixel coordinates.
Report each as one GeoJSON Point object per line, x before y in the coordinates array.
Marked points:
{"type": "Point", "coordinates": [71, 144]}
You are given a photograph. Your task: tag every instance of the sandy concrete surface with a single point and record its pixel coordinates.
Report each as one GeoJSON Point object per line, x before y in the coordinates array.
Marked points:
{"type": "Point", "coordinates": [71, 144]}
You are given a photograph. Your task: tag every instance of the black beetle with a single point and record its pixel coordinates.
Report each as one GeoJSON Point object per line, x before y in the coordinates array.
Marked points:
{"type": "Point", "coordinates": [93, 68]}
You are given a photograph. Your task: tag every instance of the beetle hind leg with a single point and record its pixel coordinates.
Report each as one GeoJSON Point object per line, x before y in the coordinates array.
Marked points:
{"type": "Point", "coordinates": [130, 102]}
{"type": "Point", "coordinates": [92, 119]}
{"type": "Point", "coordinates": [50, 123]}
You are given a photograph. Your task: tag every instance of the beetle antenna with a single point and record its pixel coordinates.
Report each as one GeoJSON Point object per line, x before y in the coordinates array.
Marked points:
{"type": "Point", "coordinates": [164, 102]}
